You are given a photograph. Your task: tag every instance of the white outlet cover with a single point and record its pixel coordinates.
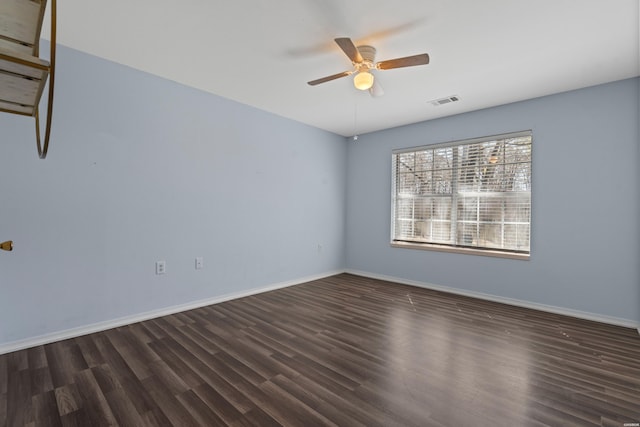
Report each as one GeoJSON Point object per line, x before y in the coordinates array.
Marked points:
{"type": "Point", "coordinates": [160, 267]}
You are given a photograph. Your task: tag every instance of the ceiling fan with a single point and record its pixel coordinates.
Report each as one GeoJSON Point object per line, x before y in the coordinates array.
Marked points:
{"type": "Point", "coordinates": [363, 60]}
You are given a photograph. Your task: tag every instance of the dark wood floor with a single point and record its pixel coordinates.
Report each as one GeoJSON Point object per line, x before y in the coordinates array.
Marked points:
{"type": "Point", "coordinates": [345, 351]}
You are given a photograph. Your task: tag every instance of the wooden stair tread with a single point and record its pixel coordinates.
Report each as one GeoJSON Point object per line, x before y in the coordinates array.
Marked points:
{"type": "Point", "coordinates": [22, 74]}
{"type": "Point", "coordinates": [22, 80]}
{"type": "Point", "coordinates": [21, 20]}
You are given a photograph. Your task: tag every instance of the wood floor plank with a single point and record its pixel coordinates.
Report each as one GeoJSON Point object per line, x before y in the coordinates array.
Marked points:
{"type": "Point", "coordinates": [202, 414]}
{"type": "Point", "coordinates": [4, 375]}
{"type": "Point", "coordinates": [322, 374]}
{"type": "Point", "coordinates": [343, 350]}
{"type": "Point", "coordinates": [64, 359]}
{"type": "Point", "coordinates": [45, 410]}
{"type": "Point", "coordinates": [75, 419]}
{"type": "Point", "coordinates": [156, 418]}
{"type": "Point", "coordinates": [289, 410]}
{"type": "Point", "coordinates": [168, 377]}
{"type": "Point", "coordinates": [19, 402]}
{"type": "Point", "coordinates": [40, 380]}
{"type": "Point", "coordinates": [106, 378]}
{"type": "Point", "coordinates": [122, 408]}
{"type": "Point", "coordinates": [90, 351]}
{"type": "Point", "coordinates": [269, 342]}
{"type": "Point", "coordinates": [136, 354]}
{"type": "Point", "coordinates": [3, 409]}
{"type": "Point", "coordinates": [203, 373]}
{"type": "Point", "coordinates": [317, 399]}
{"type": "Point", "coordinates": [126, 377]}
{"type": "Point", "coordinates": [256, 418]}
{"type": "Point", "coordinates": [68, 399]}
{"type": "Point", "coordinates": [17, 361]}
{"type": "Point", "coordinates": [219, 404]}
{"type": "Point", "coordinates": [200, 335]}
{"type": "Point", "coordinates": [94, 403]}
{"type": "Point", "coordinates": [171, 407]}
{"type": "Point", "coordinates": [171, 352]}
{"type": "Point", "coordinates": [36, 357]}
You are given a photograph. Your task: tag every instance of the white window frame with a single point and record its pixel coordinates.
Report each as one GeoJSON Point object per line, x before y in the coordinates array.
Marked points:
{"type": "Point", "coordinates": [453, 245]}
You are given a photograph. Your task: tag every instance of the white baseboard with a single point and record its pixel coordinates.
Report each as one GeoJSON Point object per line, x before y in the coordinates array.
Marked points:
{"type": "Point", "coordinates": [617, 321]}
{"type": "Point", "coordinates": [127, 320]}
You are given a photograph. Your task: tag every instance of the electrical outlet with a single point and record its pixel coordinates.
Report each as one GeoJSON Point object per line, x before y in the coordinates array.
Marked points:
{"type": "Point", "coordinates": [199, 263]}
{"type": "Point", "coordinates": [160, 267]}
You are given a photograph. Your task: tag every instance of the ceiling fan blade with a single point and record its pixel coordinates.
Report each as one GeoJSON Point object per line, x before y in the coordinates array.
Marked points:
{"type": "Point", "coordinates": [329, 78]}
{"type": "Point", "coordinates": [376, 90]}
{"type": "Point", "coordinates": [407, 61]}
{"type": "Point", "coordinates": [349, 49]}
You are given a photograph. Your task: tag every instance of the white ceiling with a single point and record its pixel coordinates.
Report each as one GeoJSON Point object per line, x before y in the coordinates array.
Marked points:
{"type": "Point", "coordinates": [262, 52]}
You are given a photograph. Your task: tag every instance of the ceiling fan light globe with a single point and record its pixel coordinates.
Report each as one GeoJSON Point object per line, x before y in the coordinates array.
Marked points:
{"type": "Point", "coordinates": [363, 80]}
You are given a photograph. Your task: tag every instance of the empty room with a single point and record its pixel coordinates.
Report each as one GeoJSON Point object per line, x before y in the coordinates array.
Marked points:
{"type": "Point", "coordinates": [320, 212]}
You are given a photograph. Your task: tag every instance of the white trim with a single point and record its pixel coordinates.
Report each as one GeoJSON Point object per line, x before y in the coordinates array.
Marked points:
{"type": "Point", "coordinates": [459, 250]}
{"type": "Point", "coordinates": [127, 320]}
{"type": "Point", "coordinates": [617, 321]}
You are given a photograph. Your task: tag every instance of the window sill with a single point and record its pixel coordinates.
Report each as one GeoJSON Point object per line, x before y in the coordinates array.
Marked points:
{"type": "Point", "coordinates": [467, 251]}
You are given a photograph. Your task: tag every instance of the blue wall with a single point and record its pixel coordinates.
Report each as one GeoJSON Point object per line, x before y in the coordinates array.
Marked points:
{"type": "Point", "coordinates": [143, 169]}
{"type": "Point", "coordinates": [585, 243]}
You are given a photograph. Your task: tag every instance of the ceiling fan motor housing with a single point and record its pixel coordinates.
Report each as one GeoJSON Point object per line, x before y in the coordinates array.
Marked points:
{"type": "Point", "coordinates": [368, 54]}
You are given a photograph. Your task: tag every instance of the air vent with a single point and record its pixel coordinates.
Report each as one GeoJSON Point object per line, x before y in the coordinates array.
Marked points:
{"type": "Point", "coordinates": [447, 100]}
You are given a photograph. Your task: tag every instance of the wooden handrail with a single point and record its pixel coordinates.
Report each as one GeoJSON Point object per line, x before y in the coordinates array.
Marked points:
{"type": "Point", "coordinates": [44, 148]}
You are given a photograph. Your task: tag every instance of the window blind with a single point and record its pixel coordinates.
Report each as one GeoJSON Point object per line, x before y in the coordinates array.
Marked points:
{"type": "Point", "coordinates": [473, 193]}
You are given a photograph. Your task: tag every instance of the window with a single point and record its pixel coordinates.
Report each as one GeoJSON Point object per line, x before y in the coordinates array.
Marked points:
{"type": "Point", "coordinates": [467, 196]}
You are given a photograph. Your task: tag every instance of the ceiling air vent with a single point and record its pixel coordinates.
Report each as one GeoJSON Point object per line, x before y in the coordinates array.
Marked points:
{"type": "Point", "coordinates": [447, 100]}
